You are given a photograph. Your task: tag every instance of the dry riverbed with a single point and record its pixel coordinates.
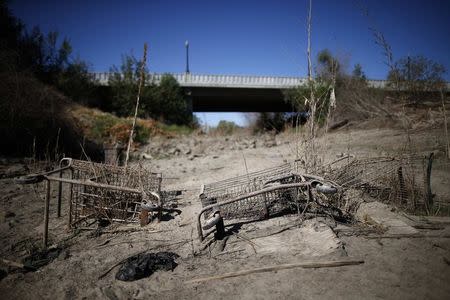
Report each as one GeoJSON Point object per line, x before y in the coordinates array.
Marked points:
{"type": "Point", "coordinates": [393, 268]}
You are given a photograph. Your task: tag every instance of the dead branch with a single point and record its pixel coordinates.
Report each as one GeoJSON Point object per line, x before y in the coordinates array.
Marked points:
{"type": "Point", "coordinates": [130, 140]}
{"type": "Point", "coordinates": [410, 236]}
{"type": "Point", "coordinates": [338, 124]}
{"type": "Point", "coordinates": [305, 265]}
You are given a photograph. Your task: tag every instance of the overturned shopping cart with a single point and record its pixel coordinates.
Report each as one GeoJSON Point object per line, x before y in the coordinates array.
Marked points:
{"type": "Point", "coordinates": [259, 195]}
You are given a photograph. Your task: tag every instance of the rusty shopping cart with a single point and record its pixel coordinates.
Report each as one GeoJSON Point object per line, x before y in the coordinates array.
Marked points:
{"type": "Point", "coordinates": [101, 192]}
{"type": "Point", "coordinates": [258, 195]}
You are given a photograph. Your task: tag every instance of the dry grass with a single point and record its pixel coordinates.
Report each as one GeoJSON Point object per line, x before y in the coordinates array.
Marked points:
{"type": "Point", "coordinates": [107, 128]}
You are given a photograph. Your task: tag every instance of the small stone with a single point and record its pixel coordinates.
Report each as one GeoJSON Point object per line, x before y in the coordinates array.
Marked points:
{"type": "Point", "coordinates": [146, 156]}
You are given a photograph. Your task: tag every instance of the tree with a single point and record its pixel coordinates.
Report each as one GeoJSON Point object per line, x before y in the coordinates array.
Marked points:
{"type": "Point", "coordinates": [75, 82]}
{"type": "Point", "coordinates": [33, 67]}
{"type": "Point", "coordinates": [318, 98]}
{"type": "Point", "coordinates": [416, 74]}
{"type": "Point", "coordinates": [358, 73]}
{"type": "Point", "coordinates": [43, 56]}
{"type": "Point", "coordinates": [124, 86]}
{"type": "Point", "coordinates": [10, 38]}
{"type": "Point", "coordinates": [164, 102]}
{"type": "Point", "coordinates": [328, 67]}
{"type": "Point", "coordinates": [173, 107]}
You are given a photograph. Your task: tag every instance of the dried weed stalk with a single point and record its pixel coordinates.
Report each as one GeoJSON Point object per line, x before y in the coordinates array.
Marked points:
{"type": "Point", "coordinates": [141, 81]}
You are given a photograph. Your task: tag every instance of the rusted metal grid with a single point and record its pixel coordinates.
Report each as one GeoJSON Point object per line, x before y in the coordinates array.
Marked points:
{"type": "Point", "coordinates": [402, 180]}
{"type": "Point", "coordinates": [241, 185]}
{"type": "Point", "coordinates": [119, 195]}
{"type": "Point", "coordinates": [259, 195]}
{"type": "Point", "coordinates": [100, 192]}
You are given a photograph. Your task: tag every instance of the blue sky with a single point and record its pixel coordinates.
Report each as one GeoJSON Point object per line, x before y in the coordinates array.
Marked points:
{"type": "Point", "coordinates": [243, 37]}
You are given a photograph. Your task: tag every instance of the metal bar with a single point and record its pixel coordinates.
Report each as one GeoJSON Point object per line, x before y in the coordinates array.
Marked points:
{"type": "Point", "coordinates": [46, 214]}
{"type": "Point", "coordinates": [429, 194]}
{"type": "Point", "coordinates": [402, 187]}
{"type": "Point", "coordinates": [55, 171]}
{"type": "Point", "coordinates": [93, 184]}
{"type": "Point", "coordinates": [70, 198]}
{"type": "Point", "coordinates": [59, 194]}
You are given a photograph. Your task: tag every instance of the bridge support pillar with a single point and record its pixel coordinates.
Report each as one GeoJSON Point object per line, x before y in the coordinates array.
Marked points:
{"type": "Point", "coordinates": [188, 98]}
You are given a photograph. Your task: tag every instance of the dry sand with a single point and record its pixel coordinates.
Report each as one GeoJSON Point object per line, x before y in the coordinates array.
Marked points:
{"type": "Point", "coordinates": [403, 268]}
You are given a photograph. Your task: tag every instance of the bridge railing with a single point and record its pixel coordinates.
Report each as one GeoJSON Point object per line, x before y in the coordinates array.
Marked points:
{"type": "Point", "coordinates": [194, 80]}
{"type": "Point", "coordinates": [237, 81]}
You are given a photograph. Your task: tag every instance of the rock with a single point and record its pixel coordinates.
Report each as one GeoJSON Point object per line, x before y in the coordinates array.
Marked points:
{"type": "Point", "coordinates": [146, 156]}
{"type": "Point", "coordinates": [270, 144]}
{"type": "Point", "coordinates": [193, 156]}
{"type": "Point", "coordinates": [270, 141]}
{"type": "Point", "coordinates": [174, 151]}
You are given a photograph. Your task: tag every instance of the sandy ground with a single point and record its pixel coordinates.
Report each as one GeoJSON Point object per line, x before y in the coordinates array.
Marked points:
{"type": "Point", "coordinates": [393, 268]}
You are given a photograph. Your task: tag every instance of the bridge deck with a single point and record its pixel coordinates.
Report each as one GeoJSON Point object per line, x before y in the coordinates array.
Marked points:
{"type": "Point", "coordinates": [235, 81]}
{"type": "Point", "coordinates": [229, 93]}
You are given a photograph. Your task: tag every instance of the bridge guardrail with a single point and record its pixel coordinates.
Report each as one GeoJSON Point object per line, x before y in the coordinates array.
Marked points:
{"type": "Point", "coordinates": [236, 81]}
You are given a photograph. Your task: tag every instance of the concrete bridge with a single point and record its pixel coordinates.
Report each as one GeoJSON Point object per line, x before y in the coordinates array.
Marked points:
{"type": "Point", "coordinates": [235, 93]}
{"type": "Point", "coordinates": [231, 81]}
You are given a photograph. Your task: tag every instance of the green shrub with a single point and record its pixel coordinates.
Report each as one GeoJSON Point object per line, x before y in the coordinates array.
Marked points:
{"type": "Point", "coordinates": [226, 127]}
{"type": "Point", "coordinates": [102, 125]}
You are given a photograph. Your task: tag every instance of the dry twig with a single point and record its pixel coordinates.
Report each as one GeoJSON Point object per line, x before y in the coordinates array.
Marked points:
{"type": "Point", "coordinates": [305, 265]}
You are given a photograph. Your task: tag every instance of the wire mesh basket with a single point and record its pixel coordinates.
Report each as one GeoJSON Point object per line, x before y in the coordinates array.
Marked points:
{"type": "Point", "coordinates": [260, 195]}
{"type": "Point", "coordinates": [118, 195]}
{"type": "Point", "coordinates": [258, 206]}
{"type": "Point", "coordinates": [402, 180]}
